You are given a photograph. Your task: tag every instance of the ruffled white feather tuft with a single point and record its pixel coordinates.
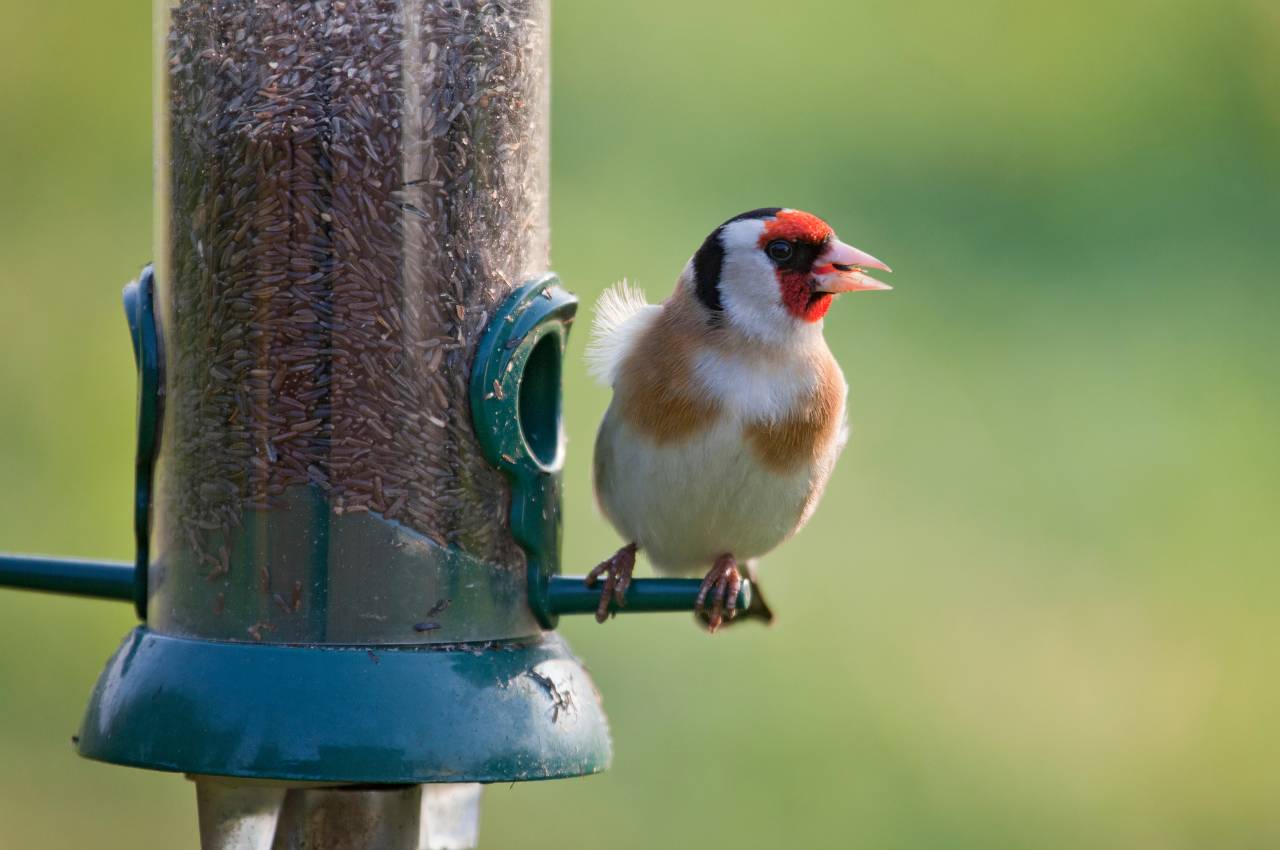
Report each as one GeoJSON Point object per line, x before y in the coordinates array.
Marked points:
{"type": "Point", "coordinates": [621, 315]}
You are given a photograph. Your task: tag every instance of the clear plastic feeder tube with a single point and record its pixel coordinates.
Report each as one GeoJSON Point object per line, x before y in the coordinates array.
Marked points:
{"type": "Point", "coordinates": [345, 190]}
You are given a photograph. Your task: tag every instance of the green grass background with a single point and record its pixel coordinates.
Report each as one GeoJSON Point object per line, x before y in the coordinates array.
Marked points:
{"type": "Point", "coordinates": [1038, 607]}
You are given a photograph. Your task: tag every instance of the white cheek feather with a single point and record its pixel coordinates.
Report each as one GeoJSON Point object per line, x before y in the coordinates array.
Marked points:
{"type": "Point", "coordinates": [621, 315]}
{"type": "Point", "coordinates": [750, 293]}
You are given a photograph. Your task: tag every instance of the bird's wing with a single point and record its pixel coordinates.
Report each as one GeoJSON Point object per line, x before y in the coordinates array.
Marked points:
{"type": "Point", "coordinates": [621, 316]}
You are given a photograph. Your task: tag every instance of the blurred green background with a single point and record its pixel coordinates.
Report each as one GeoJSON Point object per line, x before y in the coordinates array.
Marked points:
{"type": "Point", "coordinates": [1038, 606]}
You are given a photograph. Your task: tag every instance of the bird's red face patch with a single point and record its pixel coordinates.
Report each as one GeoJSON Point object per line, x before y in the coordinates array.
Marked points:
{"type": "Point", "coordinates": [808, 234]}
{"type": "Point", "coordinates": [801, 301]}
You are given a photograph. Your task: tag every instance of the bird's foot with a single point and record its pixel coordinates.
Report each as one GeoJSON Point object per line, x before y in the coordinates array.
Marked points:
{"type": "Point", "coordinates": [720, 588]}
{"type": "Point", "coordinates": [617, 571]}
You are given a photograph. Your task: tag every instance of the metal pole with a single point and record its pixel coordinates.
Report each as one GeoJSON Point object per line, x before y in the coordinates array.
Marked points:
{"type": "Point", "coordinates": [238, 814]}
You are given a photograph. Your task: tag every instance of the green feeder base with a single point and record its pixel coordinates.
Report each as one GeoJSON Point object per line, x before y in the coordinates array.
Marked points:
{"type": "Point", "coordinates": [497, 712]}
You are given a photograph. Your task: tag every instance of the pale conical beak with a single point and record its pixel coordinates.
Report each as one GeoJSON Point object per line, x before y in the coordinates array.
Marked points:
{"type": "Point", "coordinates": [839, 268]}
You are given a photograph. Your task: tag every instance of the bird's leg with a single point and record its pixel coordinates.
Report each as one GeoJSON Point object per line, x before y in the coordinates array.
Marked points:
{"type": "Point", "coordinates": [721, 584]}
{"type": "Point", "coordinates": [617, 572]}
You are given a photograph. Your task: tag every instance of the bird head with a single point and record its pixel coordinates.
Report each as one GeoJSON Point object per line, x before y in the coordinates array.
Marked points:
{"type": "Point", "coordinates": [771, 272]}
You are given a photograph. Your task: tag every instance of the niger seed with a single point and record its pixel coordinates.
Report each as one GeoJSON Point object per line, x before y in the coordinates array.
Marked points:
{"type": "Point", "coordinates": [338, 229]}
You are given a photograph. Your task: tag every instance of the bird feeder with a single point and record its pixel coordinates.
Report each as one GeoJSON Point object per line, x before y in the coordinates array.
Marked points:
{"type": "Point", "coordinates": [349, 444]}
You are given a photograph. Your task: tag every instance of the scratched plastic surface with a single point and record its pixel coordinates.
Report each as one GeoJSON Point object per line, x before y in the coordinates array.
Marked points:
{"type": "Point", "coordinates": [345, 190]}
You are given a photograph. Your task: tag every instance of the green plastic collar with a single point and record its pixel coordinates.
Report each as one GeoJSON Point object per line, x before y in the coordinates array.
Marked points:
{"type": "Point", "coordinates": [502, 712]}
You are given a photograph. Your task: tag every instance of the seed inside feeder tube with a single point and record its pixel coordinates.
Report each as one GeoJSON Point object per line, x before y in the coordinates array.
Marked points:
{"type": "Point", "coordinates": [321, 291]}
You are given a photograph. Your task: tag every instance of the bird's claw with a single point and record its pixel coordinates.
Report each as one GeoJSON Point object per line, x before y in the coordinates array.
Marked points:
{"type": "Point", "coordinates": [722, 584]}
{"type": "Point", "coordinates": [617, 571]}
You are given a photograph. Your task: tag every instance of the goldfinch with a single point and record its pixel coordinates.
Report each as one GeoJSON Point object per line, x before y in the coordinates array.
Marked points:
{"type": "Point", "coordinates": [728, 409]}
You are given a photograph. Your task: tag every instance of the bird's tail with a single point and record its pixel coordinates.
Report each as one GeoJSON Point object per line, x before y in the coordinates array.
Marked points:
{"type": "Point", "coordinates": [620, 315]}
{"type": "Point", "coordinates": [759, 608]}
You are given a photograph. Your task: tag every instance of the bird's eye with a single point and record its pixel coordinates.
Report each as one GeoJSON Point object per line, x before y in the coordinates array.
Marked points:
{"type": "Point", "coordinates": [779, 250]}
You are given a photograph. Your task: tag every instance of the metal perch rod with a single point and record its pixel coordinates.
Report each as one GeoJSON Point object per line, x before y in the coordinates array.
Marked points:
{"type": "Point", "coordinates": [570, 595]}
{"type": "Point", "coordinates": [100, 579]}
{"type": "Point", "coordinates": [115, 580]}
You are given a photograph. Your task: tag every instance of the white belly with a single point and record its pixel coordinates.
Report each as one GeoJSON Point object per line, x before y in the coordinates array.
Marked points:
{"type": "Point", "coordinates": [686, 503]}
